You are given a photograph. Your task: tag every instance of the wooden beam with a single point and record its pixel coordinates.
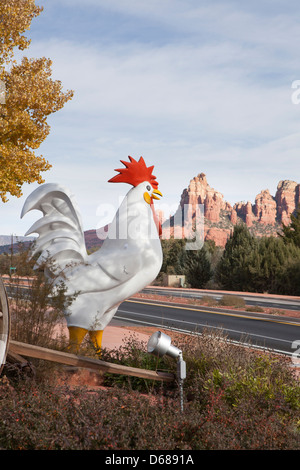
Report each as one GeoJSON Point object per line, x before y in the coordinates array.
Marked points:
{"type": "Point", "coordinates": [52, 355]}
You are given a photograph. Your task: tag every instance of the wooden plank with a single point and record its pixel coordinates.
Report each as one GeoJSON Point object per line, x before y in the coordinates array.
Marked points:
{"type": "Point", "coordinates": [15, 358]}
{"type": "Point", "coordinates": [38, 352]}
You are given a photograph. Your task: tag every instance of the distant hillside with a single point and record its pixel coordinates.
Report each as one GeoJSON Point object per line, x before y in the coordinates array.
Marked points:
{"type": "Point", "coordinates": [16, 247]}
{"type": "Point", "coordinates": [91, 241]}
{"type": "Point", "coordinates": [7, 239]}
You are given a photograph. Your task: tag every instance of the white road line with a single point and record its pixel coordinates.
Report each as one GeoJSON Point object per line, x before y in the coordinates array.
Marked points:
{"type": "Point", "coordinates": [201, 324]}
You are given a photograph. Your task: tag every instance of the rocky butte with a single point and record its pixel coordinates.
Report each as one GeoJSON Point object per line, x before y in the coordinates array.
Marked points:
{"type": "Point", "coordinates": [263, 218]}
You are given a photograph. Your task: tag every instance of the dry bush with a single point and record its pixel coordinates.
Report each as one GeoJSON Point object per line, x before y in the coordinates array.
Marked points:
{"type": "Point", "coordinates": [37, 303]}
{"type": "Point", "coordinates": [229, 300]}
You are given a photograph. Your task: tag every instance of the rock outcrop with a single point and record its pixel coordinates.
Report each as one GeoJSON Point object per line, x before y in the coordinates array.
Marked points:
{"type": "Point", "coordinates": [287, 199]}
{"type": "Point", "coordinates": [264, 217]}
{"type": "Point", "coordinates": [265, 208]}
{"type": "Point", "coordinates": [244, 212]}
{"type": "Point", "coordinates": [199, 192]}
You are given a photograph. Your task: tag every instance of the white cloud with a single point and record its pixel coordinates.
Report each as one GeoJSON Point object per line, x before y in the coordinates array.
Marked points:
{"type": "Point", "coordinates": [185, 85]}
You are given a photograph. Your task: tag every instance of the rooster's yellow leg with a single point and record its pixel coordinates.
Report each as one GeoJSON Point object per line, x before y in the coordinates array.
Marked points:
{"type": "Point", "coordinates": [96, 337]}
{"type": "Point", "coordinates": [76, 335]}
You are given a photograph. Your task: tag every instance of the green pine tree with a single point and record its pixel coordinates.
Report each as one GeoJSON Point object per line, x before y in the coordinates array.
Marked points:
{"type": "Point", "coordinates": [196, 266]}
{"type": "Point", "coordinates": [289, 281]}
{"type": "Point", "coordinates": [274, 259]}
{"type": "Point", "coordinates": [235, 270]}
{"type": "Point", "coordinates": [171, 252]}
{"type": "Point", "coordinates": [291, 233]}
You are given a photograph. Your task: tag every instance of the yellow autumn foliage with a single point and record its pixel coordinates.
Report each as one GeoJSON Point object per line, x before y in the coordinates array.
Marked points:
{"type": "Point", "coordinates": [30, 97]}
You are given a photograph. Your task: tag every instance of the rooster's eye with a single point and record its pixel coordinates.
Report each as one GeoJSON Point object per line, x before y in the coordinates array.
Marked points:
{"type": "Point", "coordinates": [148, 188]}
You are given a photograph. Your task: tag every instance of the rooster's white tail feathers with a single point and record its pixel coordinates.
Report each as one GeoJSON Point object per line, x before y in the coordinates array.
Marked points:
{"type": "Point", "coordinates": [60, 232]}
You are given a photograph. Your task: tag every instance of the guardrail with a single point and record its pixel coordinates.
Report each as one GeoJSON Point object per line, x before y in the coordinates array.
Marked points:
{"type": "Point", "coordinates": [288, 302]}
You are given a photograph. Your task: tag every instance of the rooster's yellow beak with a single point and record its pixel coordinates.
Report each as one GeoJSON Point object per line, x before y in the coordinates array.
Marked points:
{"type": "Point", "coordinates": [149, 198]}
{"type": "Point", "coordinates": [156, 192]}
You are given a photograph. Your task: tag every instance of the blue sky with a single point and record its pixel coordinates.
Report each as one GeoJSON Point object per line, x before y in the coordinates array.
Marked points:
{"type": "Point", "coordinates": [193, 86]}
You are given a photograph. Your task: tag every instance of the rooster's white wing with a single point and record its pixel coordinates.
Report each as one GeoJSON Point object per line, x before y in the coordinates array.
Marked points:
{"type": "Point", "coordinates": [106, 269]}
{"type": "Point", "coordinates": [119, 259]}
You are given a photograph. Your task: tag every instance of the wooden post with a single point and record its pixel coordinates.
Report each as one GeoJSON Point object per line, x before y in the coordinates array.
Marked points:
{"type": "Point", "coordinates": [30, 350]}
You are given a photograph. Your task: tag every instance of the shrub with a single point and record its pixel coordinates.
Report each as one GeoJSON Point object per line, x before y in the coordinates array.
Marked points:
{"type": "Point", "coordinates": [133, 354]}
{"type": "Point", "coordinates": [232, 301]}
{"type": "Point", "coordinates": [234, 398]}
{"type": "Point", "coordinates": [255, 308]}
{"type": "Point", "coordinates": [207, 299]}
{"type": "Point", "coordinates": [38, 313]}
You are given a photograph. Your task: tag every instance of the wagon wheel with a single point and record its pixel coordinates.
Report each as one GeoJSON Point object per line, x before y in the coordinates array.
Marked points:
{"type": "Point", "coordinates": [4, 325]}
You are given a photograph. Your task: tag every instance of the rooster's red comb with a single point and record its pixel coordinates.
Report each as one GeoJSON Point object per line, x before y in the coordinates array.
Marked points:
{"type": "Point", "coordinates": [135, 172]}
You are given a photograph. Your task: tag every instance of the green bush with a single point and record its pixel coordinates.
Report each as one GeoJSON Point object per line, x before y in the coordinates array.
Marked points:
{"type": "Point", "coordinates": [267, 264]}
{"type": "Point", "coordinates": [133, 353]}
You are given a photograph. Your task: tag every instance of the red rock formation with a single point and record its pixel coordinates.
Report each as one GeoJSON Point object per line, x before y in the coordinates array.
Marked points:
{"type": "Point", "coordinates": [218, 235]}
{"type": "Point", "coordinates": [199, 192]}
{"type": "Point", "coordinates": [244, 211]}
{"type": "Point", "coordinates": [212, 207]}
{"type": "Point", "coordinates": [287, 199]}
{"type": "Point", "coordinates": [196, 191]}
{"type": "Point", "coordinates": [233, 217]}
{"type": "Point", "coordinates": [249, 214]}
{"type": "Point", "coordinates": [263, 218]}
{"type": "Point", "coordinates": [265, 208]}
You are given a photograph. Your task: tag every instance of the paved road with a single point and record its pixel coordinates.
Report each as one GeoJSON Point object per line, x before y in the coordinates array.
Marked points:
{"type": "Point", "coordinates": [284, 302]}
{"type": "Point", "coordinates": [276, 333]}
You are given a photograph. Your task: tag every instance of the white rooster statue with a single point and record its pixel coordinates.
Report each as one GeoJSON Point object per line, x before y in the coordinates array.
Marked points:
{"type": "Point", "coordinates": [129, 259]}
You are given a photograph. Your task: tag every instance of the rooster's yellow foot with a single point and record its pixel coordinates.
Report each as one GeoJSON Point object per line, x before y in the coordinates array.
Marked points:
{"type": "Point", "coordinates": [77, 335]}
{"type": "Point", "coordinates": [96, 338]}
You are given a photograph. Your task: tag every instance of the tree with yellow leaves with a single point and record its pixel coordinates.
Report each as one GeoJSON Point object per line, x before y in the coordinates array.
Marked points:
{"type": "Point", "coordinates": [28, 96]}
